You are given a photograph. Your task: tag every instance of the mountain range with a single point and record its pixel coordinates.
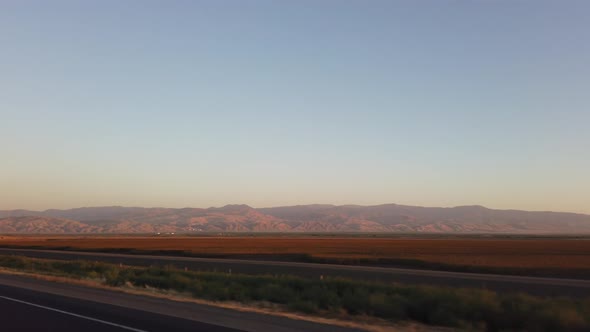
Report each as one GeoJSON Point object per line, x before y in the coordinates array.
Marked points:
{"type": "Point", "coordinates": [300, 218]}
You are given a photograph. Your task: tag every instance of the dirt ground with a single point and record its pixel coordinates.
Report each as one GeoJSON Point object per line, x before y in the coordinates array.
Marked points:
{"type": "Point", "coordinates": [520, 253]}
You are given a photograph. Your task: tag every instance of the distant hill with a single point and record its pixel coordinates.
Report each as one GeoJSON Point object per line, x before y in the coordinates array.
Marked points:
{"type": "Point", "coordinates": [300, 218]}
{"type": "Point", "coordinates": [40, 224]}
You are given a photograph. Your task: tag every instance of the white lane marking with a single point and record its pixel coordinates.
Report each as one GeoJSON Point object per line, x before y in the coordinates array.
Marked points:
{"type": "Point", "coordinates": [73, 314]}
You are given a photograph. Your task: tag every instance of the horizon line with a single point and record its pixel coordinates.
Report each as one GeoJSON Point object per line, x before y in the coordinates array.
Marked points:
{"type": "Point", "coordinates": [296, 205]}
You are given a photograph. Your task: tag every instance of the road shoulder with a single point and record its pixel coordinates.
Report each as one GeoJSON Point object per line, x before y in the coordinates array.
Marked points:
{"type": "Point", "coordinates": [247, 321]}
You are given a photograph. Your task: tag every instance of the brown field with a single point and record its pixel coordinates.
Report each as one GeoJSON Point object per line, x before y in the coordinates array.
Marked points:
{"type": "Point", "coordinates": [494, 253]}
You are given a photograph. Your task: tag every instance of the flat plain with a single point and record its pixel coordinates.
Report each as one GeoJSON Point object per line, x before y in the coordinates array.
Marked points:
{"type": "Point", "coordinates": [518, 253]}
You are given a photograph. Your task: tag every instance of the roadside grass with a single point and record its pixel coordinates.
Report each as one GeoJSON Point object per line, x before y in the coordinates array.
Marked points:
{"type": "Point", "coordinates": [471, 309]}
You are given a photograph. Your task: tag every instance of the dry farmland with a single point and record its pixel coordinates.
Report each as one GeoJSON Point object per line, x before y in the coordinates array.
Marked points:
{"type": "Point", "coordinates": [479, 252]}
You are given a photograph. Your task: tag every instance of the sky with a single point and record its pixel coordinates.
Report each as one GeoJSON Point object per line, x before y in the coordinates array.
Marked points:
{"type": "Point", "coordinates": [269, 103]}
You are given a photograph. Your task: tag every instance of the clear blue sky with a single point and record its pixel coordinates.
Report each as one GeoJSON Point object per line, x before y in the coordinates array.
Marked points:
{"type": "Point", "coordinates": [204, 103]}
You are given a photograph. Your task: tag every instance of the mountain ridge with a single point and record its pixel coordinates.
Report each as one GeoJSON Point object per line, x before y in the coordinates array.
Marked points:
{"type": "Point", "coordinates": [297, 218]}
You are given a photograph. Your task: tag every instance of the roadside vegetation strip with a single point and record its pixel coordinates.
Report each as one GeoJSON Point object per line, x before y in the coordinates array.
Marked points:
{"type": "Point", "coordinates": [441, 306]}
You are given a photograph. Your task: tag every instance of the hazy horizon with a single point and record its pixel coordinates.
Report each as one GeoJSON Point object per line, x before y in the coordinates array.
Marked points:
{"type": "Point", "coordinates": [278, 206]}
{"type": "Point", "coordinates": [176, 104]}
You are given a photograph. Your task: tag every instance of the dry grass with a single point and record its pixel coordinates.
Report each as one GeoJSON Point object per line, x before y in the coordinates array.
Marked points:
{"type": "Point", "coordinates": [517, 253]}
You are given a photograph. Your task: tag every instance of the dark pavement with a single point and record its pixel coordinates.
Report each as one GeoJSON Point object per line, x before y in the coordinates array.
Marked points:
{"type": "Point", "coordinates": [26, 310]}
{"type": "Point", "coordinates": [28, 303]}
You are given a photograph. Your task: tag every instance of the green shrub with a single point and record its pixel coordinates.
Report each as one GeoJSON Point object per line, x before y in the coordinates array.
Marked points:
{"type": "Point", "coordinates": [306, 307]}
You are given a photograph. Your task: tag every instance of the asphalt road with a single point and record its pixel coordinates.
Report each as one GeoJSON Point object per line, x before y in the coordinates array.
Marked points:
{"type": "Point", "coordinates": [27, 310]}
{"type": "Point", "coordinates": [501, 283]}
{"type": "Point", "coordinates": [28, 304]}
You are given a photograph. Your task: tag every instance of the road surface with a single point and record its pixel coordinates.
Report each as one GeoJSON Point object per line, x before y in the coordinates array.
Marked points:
{"type": "Point", "coordinates": [501, 283]}
{"type": "Point", "coordinates": [28, 304]}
